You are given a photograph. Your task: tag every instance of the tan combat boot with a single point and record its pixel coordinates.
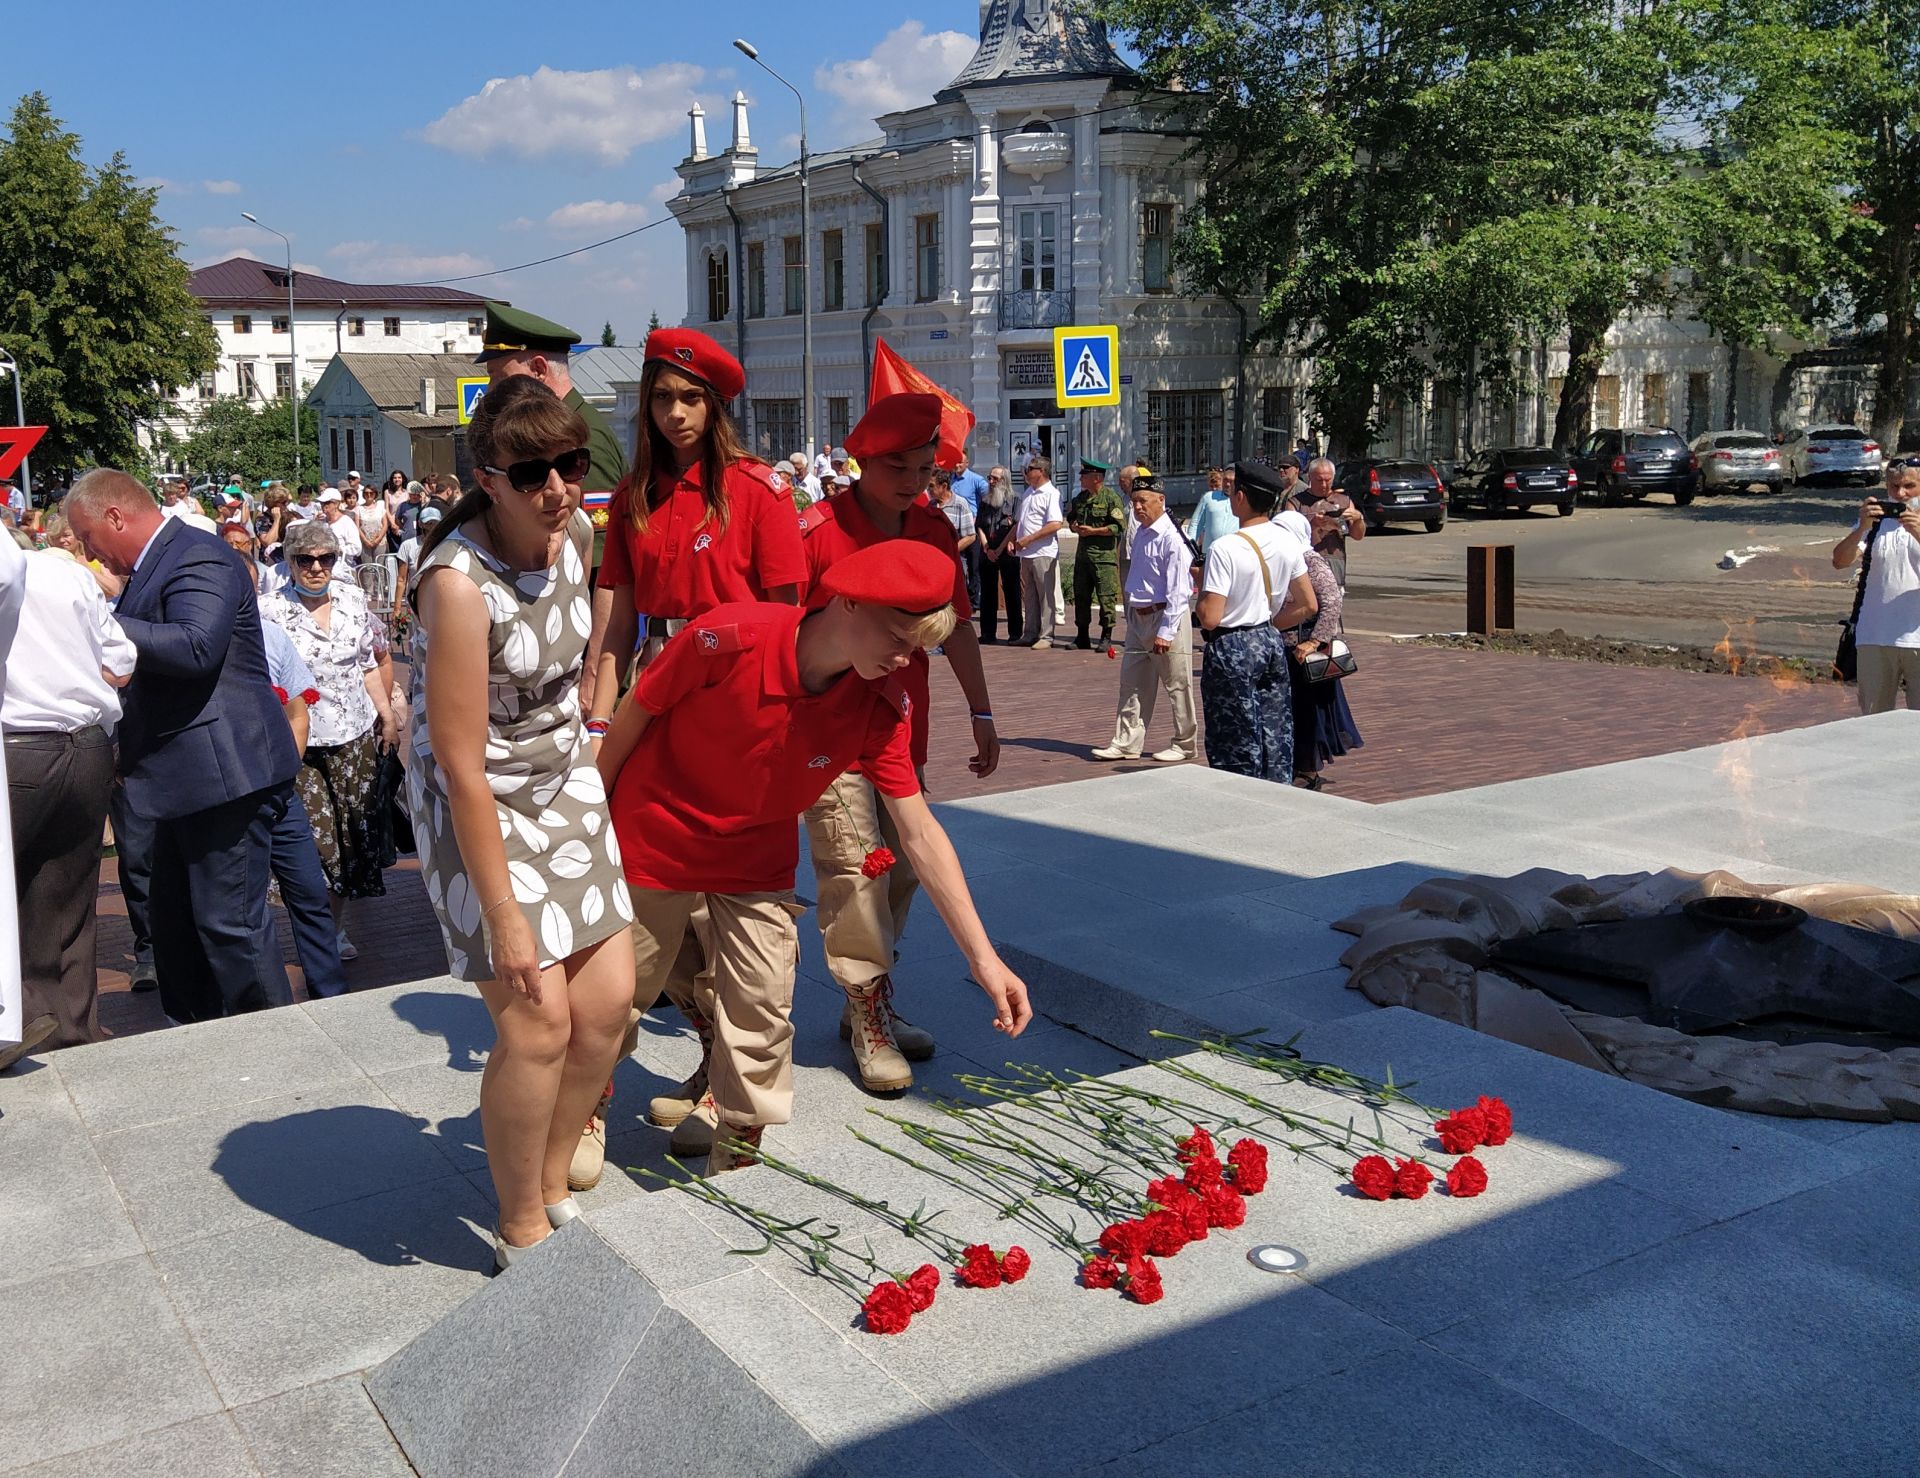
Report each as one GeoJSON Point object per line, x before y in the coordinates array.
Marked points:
{"type": "Point", "coordinates": [590, 1155]}
{"type": "Point", "coordinates": [693, 1136]}
{"type": "Point", "coordinates": [882, 1067]}
{"type": "Point", "coordinates": [736, 1147]}
{"type": "Point", "coordinates": [915, 1045]}
{"type": "Point", "coordinates": [670, 1108]}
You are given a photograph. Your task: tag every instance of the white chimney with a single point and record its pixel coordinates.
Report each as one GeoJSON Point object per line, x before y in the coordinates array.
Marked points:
{"type": "Point", "coordinates": [740, 139]}
{"type": "Point", "coordinates": [427, 401]}
{"type": "Point", "coordinates": [697, 143]}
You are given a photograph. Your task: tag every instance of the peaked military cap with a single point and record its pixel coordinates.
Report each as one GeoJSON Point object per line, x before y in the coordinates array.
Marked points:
{"type": "Point", "coordinates": [1087, 464]}
{"type": "Point", "coordinates": [512, 330]}
{"type": "Point", "coordinates": [1260, 475]}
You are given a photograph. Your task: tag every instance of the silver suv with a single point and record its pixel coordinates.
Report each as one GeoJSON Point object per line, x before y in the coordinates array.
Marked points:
{"type": "Point", "coordinates": [1733, 461]}
{"type": "Point", "coordinates": [1832, 453]}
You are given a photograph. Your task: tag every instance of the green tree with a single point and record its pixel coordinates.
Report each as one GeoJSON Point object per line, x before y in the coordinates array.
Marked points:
{"type": "Point", "coordinates": [93, 294]}
{"type": "Point", "coordinates": [653, 322]}
{"type": "Point", "coordinates": [606, 334]}
{"type": "Point", "coordinates": [237, 438]}
{"type": "Point", "coordinates": [1825, 95]}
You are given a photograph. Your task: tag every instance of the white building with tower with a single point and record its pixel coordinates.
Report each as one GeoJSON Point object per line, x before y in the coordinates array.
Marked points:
{"type": "Point", "coordinates": [1042, 187]}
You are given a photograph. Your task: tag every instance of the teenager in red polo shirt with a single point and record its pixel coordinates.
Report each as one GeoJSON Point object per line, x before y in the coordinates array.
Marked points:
{"type": "Point", "coordinates": [672, 555]}
{"type": "Point", "coordinates": [741, 725]}
{"type": "Point", "coordinates": [861, 917]}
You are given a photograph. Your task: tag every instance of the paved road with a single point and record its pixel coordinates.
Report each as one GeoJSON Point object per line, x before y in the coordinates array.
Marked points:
{"type": "Point", "coordinates": [1647, 572]}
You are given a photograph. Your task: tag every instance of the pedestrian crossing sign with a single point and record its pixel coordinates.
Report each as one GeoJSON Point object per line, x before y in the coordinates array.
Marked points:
{"type": "Point", "coordinates": [470, 388]}
{"type": "Point", "coordinates": [1086, 365]}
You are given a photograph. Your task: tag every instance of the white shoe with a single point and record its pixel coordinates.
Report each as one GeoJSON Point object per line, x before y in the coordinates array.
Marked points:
{"type": "Point", "coordinates": [1108, 752]}
{"type": "Point", "coordinates": [1172, 756]}
{"type": "Point", "coordinates": [1044, 642]}
{"type": "Point", "coordinates": [562, 1212]}
{"type": "Point", "coordinates": [348, 949]}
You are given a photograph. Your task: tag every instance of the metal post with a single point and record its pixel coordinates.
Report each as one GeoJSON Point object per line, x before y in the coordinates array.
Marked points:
{"type": "Point", "coordinates": [293, 346]}
{"type": "Point", "coordinates": [12, 366]}
{"type": "Point", "coordinates": [806, 253]}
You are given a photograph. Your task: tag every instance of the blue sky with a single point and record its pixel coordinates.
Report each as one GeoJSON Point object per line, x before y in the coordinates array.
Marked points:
{"type": "Point", "coordinates": [403, 141]}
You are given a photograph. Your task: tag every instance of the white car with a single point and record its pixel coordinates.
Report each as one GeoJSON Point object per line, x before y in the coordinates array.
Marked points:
{"type": "Point", "coordinates": [1832, 453]}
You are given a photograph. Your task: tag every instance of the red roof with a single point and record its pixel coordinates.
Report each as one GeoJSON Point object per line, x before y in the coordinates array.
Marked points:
{"type": "Point", "coordinates": [240, 281]}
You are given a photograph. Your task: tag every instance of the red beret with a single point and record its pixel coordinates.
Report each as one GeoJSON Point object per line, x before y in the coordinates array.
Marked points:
{"type": "Point", "coordinates": [693, 353]}
{"type": "Point", "coordinates": [902, 573]}
{"type": "Point", "coordinates": [895, 423]}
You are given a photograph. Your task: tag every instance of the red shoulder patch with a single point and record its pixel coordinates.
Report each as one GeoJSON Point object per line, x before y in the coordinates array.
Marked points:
{"type": "Point", "coordinates": [721, 639]}
{"type": "Point", "coordinates": [895, 692]}
{"type": "Point", "coordinates": [817, 516]}
{"type": "Point", "coordinates": [759, 472]}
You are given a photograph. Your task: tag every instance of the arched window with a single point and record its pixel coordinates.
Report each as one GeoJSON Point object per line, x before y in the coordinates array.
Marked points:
{"type": "Point", "coordinates": [719, 287]}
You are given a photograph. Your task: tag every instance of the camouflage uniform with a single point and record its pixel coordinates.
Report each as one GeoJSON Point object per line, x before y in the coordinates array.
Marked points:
{"type": "Point", "coordinates": [1244, 694]}
{"type": "Point", "coordinates": [1096, 561]}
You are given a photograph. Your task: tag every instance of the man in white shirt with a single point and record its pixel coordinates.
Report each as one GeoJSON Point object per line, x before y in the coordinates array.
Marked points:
{"type": "Point", "coordinates": [62, 701]}
{"type": "Point", "coordinates": [303, 507]}
{"type": "Point", "coordinates": [1255, 583]}
{"type": "Point", "coordinates": [1159, 633]}
{"type": "Point", "coordinates": [346, 533]}
{"type": "Point", "coordinates": [803, 479]}
{"type": "Point", "coordinates": [1887, 634]}
{"type": "Point", "coordinates": [1036, 523]}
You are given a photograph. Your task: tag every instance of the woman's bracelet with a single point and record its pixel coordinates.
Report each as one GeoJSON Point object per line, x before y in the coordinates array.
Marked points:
{"type": "Point", "coordinates": [503, 898]}
{"type": "Point", "coordinates": [981, 718]}
{"type": "Point", "coordinates": [598, 727]}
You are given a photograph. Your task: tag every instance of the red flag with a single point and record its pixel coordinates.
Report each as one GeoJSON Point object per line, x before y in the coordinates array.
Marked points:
{"type": "Point", "coordinates": [17, 441]}
{"type": "Point", "coordinates": [892, 375]}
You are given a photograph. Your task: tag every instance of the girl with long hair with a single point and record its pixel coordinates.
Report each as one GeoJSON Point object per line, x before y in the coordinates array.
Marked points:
{"type": "Point", "coordinates": [520, 863]}
{"type": "Point", "coordinates": [698, 523]}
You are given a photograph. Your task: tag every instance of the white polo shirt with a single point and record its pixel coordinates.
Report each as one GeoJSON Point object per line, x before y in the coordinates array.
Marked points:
{"type": "Point", "coordinates": [1233, 571]}
{"type": "Point", "coordinates": [1890, 613]}
{"type": "Point", "coordinates": [1039, 507]}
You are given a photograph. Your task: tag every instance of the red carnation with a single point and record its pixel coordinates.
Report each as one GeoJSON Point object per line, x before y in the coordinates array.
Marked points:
{"type": "Point", "coordinates": [981, 1269]}
{"type": "Point", "coordinates": [1166, 1233]}
{"type": "Point", "coordinates": [1168, 1190]}
{"type": "Point", "coordinates": [1203, 1171]}
{"type": "Point", "coordinates": [1467, 1178]}
{"type": "Point", "coordinates": [1462, 1130]}
{"type": "Point", "coordinates": [1226, 1207]}
{"type": "Point", "coordinates": [1499, 1120]}
{"type": "Point", "coordinates": [876, 862]}
{"type": "Point", "coordinates": [1099, 1272]}
{"type": "Point", "coordinates": [1143, 1281]}
{"type": "Point", "coordinates": [1411, 1179]}
{"type": "Point", "coordinates": [1373, 1177]}
{"type": "Point", "coordinates": [1248, 1161]}
{"type": "Point", "coordinates": [1124, 1239]}
{"type": "Point", "coordinates": [280, 693]}
{"type": "Point", "coordinates": [922, 1284]}
{"type": "Point", "coordinates": [1015, 1265]}
{"type": "Point", "coordinates": [1193, 1217]}
{"type": "Point", "coordinates": [1195, 1146]}
{"type": "Point", "coordinates": [309, 696]}
{"type": "Point", "coordinates": [889, 1308]}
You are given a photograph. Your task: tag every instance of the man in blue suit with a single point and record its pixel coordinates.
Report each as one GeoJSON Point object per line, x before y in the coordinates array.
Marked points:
{"type": "Point", "coordinates": [205, 752]}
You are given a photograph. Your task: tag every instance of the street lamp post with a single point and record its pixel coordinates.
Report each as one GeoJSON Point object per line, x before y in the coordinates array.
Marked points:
{"type": "Point", "coordinates": [293, 344]}
{"type": "Point", "coordinates": [806, 254]}
{"type": "Point", "coordinates": [12, 367]}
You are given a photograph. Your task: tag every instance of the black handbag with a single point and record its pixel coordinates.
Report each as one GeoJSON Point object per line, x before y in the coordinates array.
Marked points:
{"type": "Point", "coordinates": [1331, 663]}
{"type": "Point", "coordinates": [1846, 657]}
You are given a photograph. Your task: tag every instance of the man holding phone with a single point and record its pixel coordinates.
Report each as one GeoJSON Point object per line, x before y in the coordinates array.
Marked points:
{"type": "Point", "coordinates": [1887, 634]}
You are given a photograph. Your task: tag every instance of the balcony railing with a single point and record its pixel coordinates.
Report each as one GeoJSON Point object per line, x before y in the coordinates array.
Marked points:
{"type": "Point", "coordinates": [1037, 309]}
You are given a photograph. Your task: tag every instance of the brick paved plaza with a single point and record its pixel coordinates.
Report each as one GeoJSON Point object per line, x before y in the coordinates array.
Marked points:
{"type": "Point", "coordinates": [1433, 720]}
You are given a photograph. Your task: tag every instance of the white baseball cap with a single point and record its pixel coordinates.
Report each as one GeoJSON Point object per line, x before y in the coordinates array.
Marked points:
{"type": "Point", "coordinates": [331, 495]}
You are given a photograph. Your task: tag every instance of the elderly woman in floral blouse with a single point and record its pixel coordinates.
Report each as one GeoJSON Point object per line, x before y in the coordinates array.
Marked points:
{"type": "Point", "coordinates": [1323, 725]}
{"type": "Point", "coordinates": [341, 641]}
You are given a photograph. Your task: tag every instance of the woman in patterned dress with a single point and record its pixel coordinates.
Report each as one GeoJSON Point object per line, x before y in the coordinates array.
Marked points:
{"type": "Point", "coordinates": [509, 812]}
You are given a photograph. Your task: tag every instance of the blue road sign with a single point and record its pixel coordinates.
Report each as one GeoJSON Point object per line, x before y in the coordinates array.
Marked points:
{"type": "Point", "coordinates": [1086, 365]}
{"type": "Point", "coordinates": [471, 388]}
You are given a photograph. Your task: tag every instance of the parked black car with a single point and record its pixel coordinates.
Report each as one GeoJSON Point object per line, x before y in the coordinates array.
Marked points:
{"type": "Point", "coordinates": [1515, 477]}
{"type": "Point", "coordinates": [1633, 461]}
{"type": "Point", "coordinates": [1387, 491]}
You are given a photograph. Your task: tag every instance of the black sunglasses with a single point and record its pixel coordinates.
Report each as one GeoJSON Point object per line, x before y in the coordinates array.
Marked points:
{"type": "Point", "coordinates": [316, 561]}
{"type": "Point", "coordinates": [531, 476]}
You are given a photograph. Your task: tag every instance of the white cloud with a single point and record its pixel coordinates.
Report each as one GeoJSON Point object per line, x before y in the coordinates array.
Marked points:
{"type": "Point", "coordinates": [383, 261]}
{"type": "Point", "coordinates": [604, 114]}
{"type": "Point", "coordinates": [160, 182]}
{"type": "Point", "coordinates": [661, 193]}
{"type": "Point", "coordinates": [586, 217]}
{"type": "Point", "coordinates": [242, 238]}
{"type": "Point", "coordinates": [221, 187]}
{"type": "Point", "coordinates": [904, 70]}
{"type": "Point", "coordinates": [207, 259]}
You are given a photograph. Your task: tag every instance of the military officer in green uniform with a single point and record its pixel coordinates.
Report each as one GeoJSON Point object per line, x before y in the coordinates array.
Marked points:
{"type": "Point", "coordinates": [523, 343]}
{"type": "Point", "coordinates": [1097, 516]}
